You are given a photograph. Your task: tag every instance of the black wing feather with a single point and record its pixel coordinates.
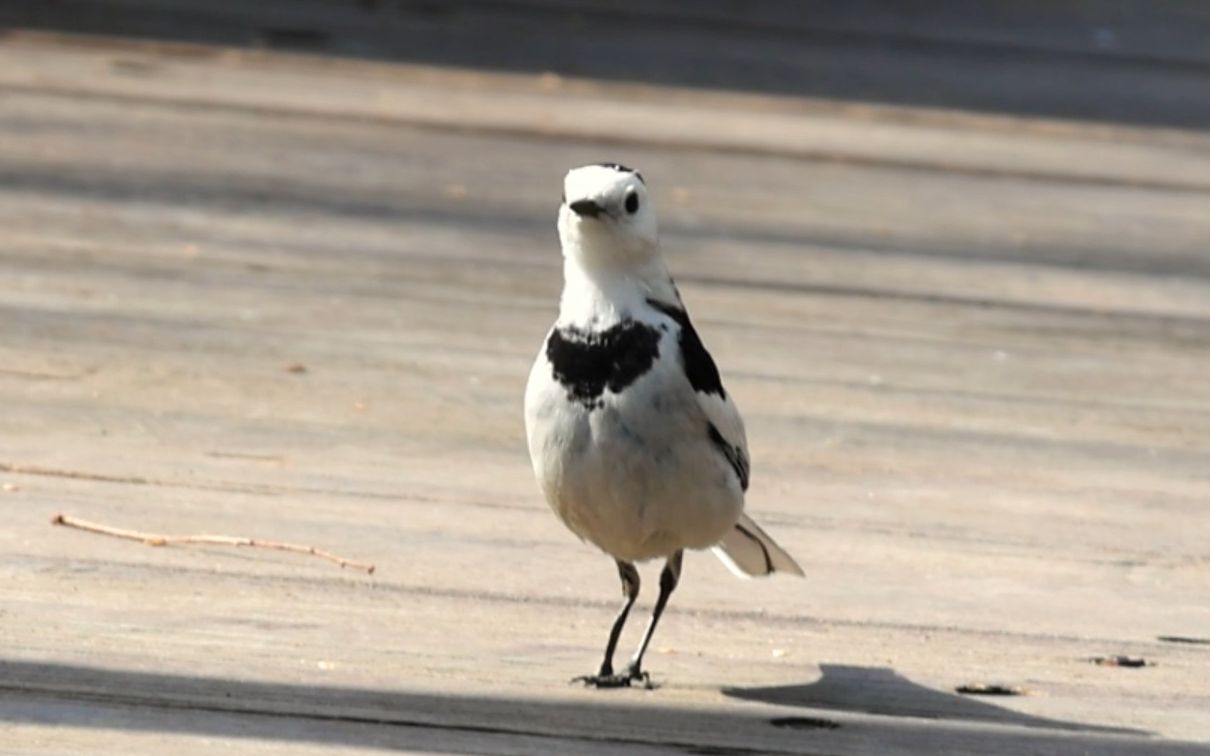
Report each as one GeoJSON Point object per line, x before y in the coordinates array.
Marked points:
{"type": "Point", "coordinates": [734, 455]}
{"type": "Point", "coordinates": [699, 365]}
{"type": "Point", "coordinates": [704, 377]}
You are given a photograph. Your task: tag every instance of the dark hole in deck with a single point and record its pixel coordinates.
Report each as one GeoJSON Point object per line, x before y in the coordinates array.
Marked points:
{"type": "Point", "coordinates": [1131, 662]}
{"type": "Point", "coordinates": [980, 689]}
{"type": "Point", "coordinates": [804, 723]}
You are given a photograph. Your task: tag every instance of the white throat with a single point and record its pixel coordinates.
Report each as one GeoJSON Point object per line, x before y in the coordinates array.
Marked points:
{"type": "Point", "coordinates": [597, 296]}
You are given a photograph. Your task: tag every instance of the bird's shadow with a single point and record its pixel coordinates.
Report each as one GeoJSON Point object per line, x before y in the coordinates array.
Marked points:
{"type": "Point", "coordinates": [883, 691]}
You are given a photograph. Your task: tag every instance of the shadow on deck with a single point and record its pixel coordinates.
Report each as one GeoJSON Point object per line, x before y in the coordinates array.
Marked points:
{"type": "Point", "coordinates": [85, 697]}
{"type": "Point", "coordinates": [1127, 61]}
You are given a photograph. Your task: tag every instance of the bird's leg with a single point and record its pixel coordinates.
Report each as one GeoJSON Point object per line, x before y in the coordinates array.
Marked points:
{"type": "Point", "coordinates": [668, 581]}
{"type": "Point", "coordinates": [605, 678]}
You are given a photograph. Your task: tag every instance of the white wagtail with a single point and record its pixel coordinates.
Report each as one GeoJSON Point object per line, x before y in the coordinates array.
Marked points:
{"type": "Point", "coordinates": [635, 442]}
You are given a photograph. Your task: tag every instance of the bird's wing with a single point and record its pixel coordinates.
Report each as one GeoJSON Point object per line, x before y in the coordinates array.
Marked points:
{"type": "Point", "coordinates": [746, 549]}
{"type": "Point", "coordinates": [726, 427]}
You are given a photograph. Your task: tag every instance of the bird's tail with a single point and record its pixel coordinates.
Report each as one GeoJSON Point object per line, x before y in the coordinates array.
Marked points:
{"type": "Point", "coordinates": [748, 551]}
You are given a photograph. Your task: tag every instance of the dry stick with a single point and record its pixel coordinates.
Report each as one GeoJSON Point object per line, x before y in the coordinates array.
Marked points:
{"type": "Point", "coordinates": [155, 539]}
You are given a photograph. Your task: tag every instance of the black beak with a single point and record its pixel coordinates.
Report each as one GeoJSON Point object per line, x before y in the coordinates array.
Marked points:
{"type": "Point", "coordinates": [586, 208]}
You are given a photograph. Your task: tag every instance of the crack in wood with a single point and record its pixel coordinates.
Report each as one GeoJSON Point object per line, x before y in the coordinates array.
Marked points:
{"type": "Point", "coordinates": [257, 489]}
{"type": "Point", "coordinates": [42, 375]}
{"type": "Point", "coordinates": [762, 617]}
{"type": "Point", "coordinates": [586, 134]}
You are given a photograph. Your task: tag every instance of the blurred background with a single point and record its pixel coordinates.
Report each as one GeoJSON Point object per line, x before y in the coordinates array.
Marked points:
{"type": "Point", "coordinates": [1132, 61]}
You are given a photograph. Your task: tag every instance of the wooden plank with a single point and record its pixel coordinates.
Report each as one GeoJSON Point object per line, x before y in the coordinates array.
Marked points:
{"type": "Point", "coordinates": [976, 401]}
{"type": "Point", "coordinates": [1131, 61]}
{"type": "Point", "coordinates": [1121, 30]}
{"type": "Point", "coordinates": [554, 107]}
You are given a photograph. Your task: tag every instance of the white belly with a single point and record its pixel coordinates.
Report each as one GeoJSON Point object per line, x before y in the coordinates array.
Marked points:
{"type": "Point", "coordinates": [638, 477]}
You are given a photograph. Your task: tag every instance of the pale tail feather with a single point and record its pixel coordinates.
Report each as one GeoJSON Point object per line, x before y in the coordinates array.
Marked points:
{"type": "Point", "coordinates": [749, 551]}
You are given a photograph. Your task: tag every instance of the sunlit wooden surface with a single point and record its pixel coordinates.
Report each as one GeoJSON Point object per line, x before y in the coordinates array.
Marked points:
{"type": "Point", "coordinates": [297, 299]}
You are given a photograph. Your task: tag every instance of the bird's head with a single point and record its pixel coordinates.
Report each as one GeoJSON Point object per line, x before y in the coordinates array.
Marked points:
{"type": "Point", "coordinates": [607, 218]}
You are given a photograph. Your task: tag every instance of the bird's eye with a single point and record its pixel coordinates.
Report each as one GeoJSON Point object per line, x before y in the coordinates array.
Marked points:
{"type": "Point", "coordinates": [632, 203]}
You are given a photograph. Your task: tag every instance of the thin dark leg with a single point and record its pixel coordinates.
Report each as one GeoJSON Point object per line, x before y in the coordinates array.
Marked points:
{"type": "Point", "coordinates": [630, 591]}
{"type": "Point", "coordinates": [668, 580]}
{"type": "Point", "coordinates": [605, 678]}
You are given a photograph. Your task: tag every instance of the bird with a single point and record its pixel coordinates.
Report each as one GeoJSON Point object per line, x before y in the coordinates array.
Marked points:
{"type": "Point", "coordinates": [636, 445]}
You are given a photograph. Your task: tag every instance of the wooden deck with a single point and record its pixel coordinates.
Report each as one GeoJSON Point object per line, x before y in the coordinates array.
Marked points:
{"type": "Point", "coordinates": [297, 298]}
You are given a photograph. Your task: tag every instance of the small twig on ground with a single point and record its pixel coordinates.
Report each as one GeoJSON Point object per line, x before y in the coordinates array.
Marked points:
{"type": "Point", "coordinates": [156, 539]}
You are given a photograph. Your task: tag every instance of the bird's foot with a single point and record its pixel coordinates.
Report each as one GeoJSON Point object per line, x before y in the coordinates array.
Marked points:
{"type": "Point", "coordinates": [631, 678]}
{"type": "Point", "coordinates": [603, 681]}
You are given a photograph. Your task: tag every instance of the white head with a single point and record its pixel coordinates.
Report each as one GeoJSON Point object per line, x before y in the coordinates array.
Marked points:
{"type": "Point", "coordinates": [607, 219]}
